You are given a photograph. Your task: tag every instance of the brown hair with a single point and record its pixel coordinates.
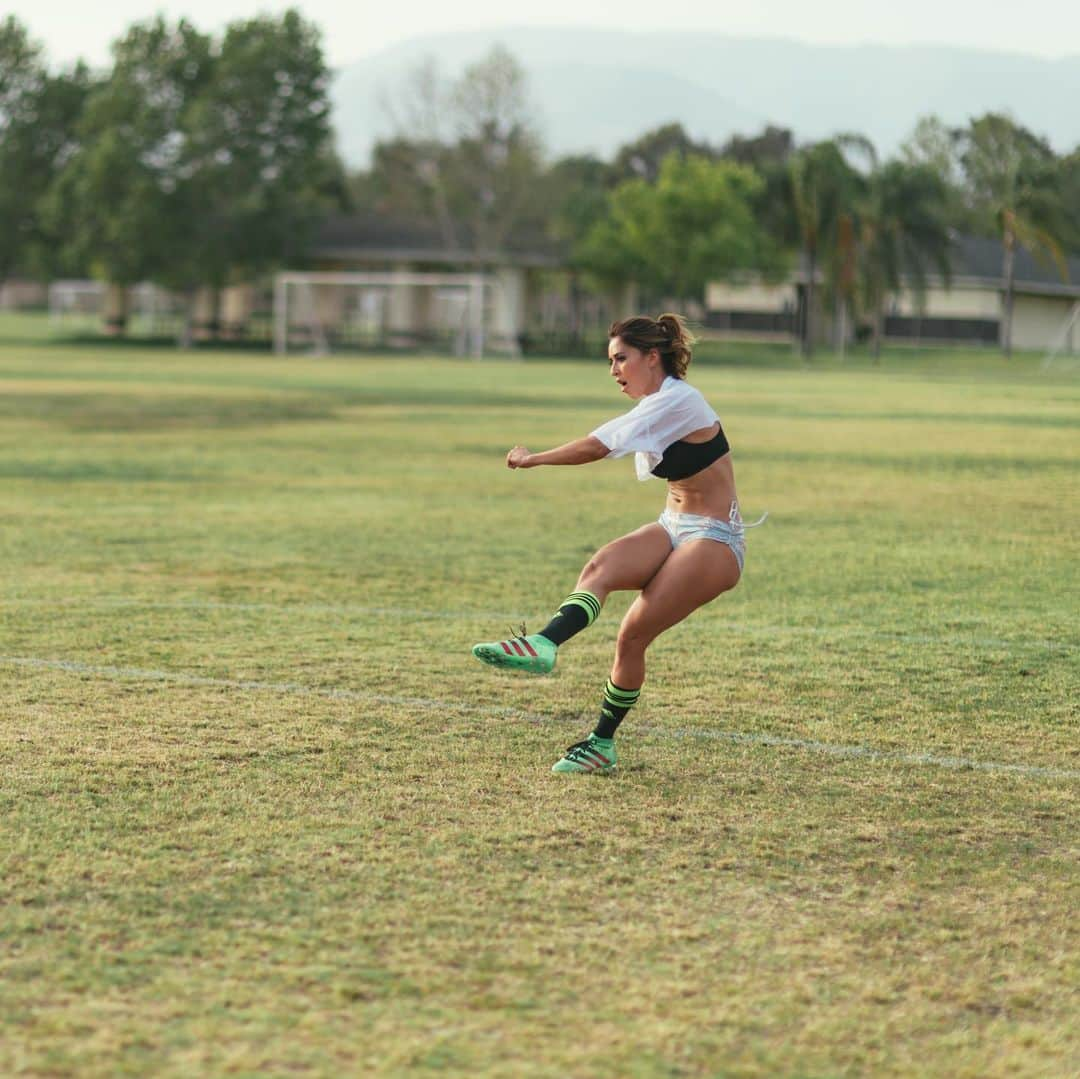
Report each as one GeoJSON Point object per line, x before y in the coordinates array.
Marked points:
{"type": "Point", "coordinates": [667, 334]}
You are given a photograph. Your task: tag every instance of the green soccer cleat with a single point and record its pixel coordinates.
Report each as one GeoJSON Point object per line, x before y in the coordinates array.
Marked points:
{"type": "Point", "coordinates": [592, 755]}
{"type": "Point", "coordinates": [535, 654]}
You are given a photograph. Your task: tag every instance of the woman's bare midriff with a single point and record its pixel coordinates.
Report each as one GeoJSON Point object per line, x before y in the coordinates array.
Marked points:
{"type": "Point", "coordinates": [709, 492]}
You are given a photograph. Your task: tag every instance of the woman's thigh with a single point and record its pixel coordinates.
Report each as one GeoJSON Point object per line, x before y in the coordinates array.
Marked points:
{"type": "Point", "coordinates": [629, 562]}
{"type": "Point", "coordinates": [692, 575]}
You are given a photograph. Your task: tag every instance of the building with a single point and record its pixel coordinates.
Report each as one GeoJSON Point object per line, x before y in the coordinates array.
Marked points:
{"type": "Point", "coordinates": [419, 302]}
{"type": "Point", "coordinates": [968, 311]}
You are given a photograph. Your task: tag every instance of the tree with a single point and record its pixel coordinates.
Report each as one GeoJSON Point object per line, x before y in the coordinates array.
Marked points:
{"type": "Point", "coordinates": [1011, 183]}
{"type": "Point", "coordinates": [771, 148]}
{"type": "Point", "coordinates": [125, 200]}
{"type": "Point", "coordinates": [935, 145]}
{"type": "Point", "coordinates": [201, 162]}
{"type": "Point", "coordinates": [842, 256]}
{"type": "Point", "coordinates": [409, 171]}
{"type": "Point", "coordinates": [823, 189]}
{"type": "Point", "coordinates": [260, 156]}
{"type": "Point", "coordinates": [643, 158]}
{"type": "Point", "coordinates": [38, 116]}
{"type": "Point", "coordinates": [575, 191]}
{"type": "Point", "coordinates": [903, 232]}
{"type": "Point", "coordinates": [21, 77]}
{"type": "Point", "coordinates": [498, 158]}
{"type": "Point", "coordinates": [694, 225]}
{"type": "Point", "coordinates": [1068, 187]}
{"type": "Point", "coordinates": [466, 154]}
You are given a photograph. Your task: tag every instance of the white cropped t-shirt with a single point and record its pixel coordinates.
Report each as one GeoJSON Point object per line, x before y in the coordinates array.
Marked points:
{"type": "Point", "coordinates": [657, 420]}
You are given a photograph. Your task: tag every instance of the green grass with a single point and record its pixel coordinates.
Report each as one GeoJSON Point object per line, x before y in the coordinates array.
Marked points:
{"type": "Point", "coordinates": [263, 814]}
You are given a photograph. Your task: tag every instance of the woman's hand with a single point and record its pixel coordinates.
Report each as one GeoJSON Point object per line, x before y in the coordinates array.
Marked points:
{"type": "Point", "coordinates": [518, 457]}
{"type": "Point", "coordinates": [579, 452]}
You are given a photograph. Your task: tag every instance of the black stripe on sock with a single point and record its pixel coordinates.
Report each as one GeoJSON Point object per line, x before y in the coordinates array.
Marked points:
{"type": "Point", "coordinates": [617, 702]}
{"type": "Point", "coordinates": [578, 612]}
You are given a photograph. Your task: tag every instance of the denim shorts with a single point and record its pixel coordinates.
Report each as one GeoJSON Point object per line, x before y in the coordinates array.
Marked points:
{"type": "Point", "coordinates": [684, 527]}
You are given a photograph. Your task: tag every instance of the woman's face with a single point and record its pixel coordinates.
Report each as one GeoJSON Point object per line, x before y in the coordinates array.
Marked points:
{"type": "Point", "coordinates": [637, 373]}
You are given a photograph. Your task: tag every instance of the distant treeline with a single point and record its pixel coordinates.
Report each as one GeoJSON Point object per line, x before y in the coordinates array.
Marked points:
{"type": "Point", "coordinates": [195, 161]}
{"type": "Point", "coordinates": [200, 161]}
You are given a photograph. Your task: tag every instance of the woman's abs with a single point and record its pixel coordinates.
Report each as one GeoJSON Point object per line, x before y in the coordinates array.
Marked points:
{"type": "Point", "coordinates": [709, 492]}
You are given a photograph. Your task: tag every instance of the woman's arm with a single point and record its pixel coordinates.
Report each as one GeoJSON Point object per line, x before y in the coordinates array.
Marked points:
{"type": "Point", "coordinates": [579, 452]}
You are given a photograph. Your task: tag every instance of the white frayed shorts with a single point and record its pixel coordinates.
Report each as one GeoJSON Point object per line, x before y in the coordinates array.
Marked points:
{"type": "Point", "coordinates": [684, 527]}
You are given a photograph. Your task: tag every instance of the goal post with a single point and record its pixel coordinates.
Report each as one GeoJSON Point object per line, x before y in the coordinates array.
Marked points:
{"type": "Point", "coordinates": [321, 312]}
{"type": "Point", "coordinates": [1065, 338]}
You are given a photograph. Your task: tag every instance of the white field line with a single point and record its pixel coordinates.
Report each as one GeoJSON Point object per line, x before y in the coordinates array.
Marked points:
{"type": "Point", "coordinates": [283, 608]}
{"type": "Point", "coordinates": [838, 632]}
{"type": "Point", "coordinates": [431, 704]}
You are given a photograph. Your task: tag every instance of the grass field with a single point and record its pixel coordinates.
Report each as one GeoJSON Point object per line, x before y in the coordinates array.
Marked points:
{"type": "Point", "coordinates": [262, 813]}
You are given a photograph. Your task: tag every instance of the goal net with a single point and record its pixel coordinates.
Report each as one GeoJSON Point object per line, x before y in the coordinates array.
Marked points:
{"type": "Point", "coordinates": [76, 306]}
{"type": "Point", "coordinates": [462, 314]}
{"type": "Point", "coordinates": [146, 310]}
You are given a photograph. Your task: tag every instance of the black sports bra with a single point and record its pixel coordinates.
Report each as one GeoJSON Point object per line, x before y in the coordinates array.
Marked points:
{"type": "Point", "coordinates": [683, 459]}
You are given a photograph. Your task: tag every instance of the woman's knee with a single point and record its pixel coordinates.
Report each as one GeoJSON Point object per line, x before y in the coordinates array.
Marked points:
{"type": "Point", "coordinates": [596, 571]}
{"type": "Point", "coordinates": [634, 637]}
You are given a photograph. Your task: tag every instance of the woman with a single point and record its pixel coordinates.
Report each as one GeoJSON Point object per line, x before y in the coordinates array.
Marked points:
{"type": "Point", "coordinates": [691, 555]}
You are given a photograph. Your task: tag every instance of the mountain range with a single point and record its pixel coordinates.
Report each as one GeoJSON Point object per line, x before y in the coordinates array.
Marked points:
{"type": "Point", "coordinates": [593, 90]}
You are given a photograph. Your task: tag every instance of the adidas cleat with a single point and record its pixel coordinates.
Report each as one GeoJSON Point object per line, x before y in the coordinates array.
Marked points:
{"type": "Point", "coordinates": [592, 755]}
{"type": "Point", "coordinates": [534, 654]}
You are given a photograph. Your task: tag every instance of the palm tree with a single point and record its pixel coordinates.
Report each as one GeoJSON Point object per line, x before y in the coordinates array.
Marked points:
{"type": "Point", "coordinates": [822, 188]}
{"type": "Point", "coordinates": [842, 266]}
{"type": "Point", "coordinates": [1010, 180]}
{"type": "Point", "coordinates": [903, 234]}
{"type": "Point", "coordinates": [1017, 228]}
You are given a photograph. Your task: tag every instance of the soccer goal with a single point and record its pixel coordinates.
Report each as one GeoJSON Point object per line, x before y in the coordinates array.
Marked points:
{"type": "Point", "coordinates": [143, 310]}
{"type": "Point", "coordinates": [75, 306]}
{"type": "Point", "coordinates": [465, 314]}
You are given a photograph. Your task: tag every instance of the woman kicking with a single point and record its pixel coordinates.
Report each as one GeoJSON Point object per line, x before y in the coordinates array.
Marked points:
{"type": "Point", "coordinates": [676, 436]}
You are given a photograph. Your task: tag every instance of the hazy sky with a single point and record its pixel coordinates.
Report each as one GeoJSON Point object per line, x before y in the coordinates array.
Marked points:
{"type": "Point", "coordinates": [77, 28]}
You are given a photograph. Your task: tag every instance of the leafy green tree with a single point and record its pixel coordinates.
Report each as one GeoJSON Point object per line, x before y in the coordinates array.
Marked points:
{"type": "Point", "coordinates": [125, 200]}
{"type": "Point", "coordinates": [773, 147]}
{"type": "Point", "coordinates": [903, 234]}
{"type": "Point", "coordinates": [1011, 184]}
{"type": "Point", "coordinates": [22, 74]}
{"type": "Point", "coordinates": [47, 143]}
{"type": "Point", "coordinates": [575, 191]}
{"type": "Point", "coordinates": [200, 162]}
{"type": "Point", "coordinates": [694, 225]}
{"type": "Point", "coordinates": [769, 154]}
{"type": "Point", "coordinates": [402, 181]}
{"type": "Point", "coordinates": [38, 117]}
{"type": "Point", "coordinates": [574, 194]}
{"type": "Point", "coordinates": [260, 159]}
{"type": "Point", "coordinates": [643, 158]}
{"type": "Point", "coordinates": [933, 144]}
{"type": "Point", "coordinates": [1068, 187]}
